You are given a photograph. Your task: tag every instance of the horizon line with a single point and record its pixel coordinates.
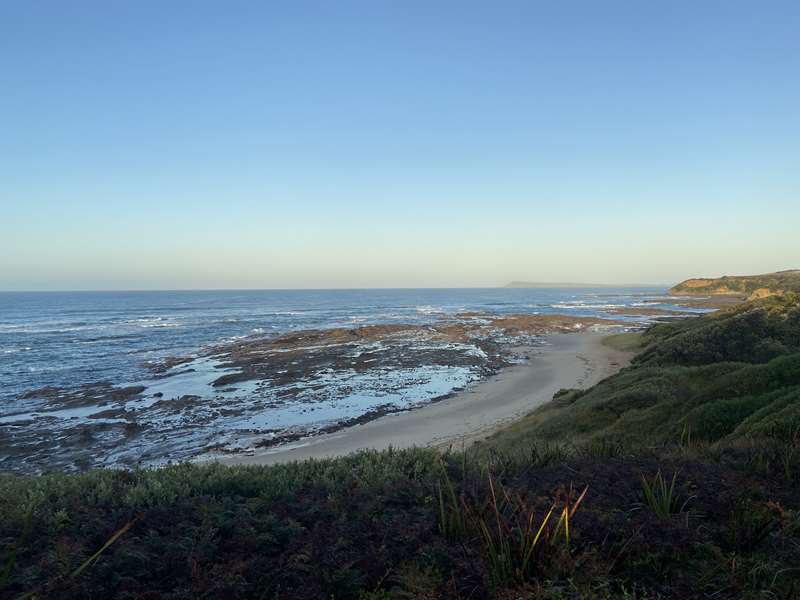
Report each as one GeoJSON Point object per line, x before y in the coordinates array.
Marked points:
{"type": "Point", "coordinates": [544, 285]}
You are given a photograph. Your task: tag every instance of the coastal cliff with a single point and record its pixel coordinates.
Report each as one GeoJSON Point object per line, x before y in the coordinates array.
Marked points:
{"type": "Point", "coordinates": [745, 286]}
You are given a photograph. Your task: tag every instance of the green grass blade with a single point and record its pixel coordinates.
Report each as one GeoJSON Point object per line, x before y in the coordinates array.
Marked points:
{"type": "Point", "coordinates": [119, 533]}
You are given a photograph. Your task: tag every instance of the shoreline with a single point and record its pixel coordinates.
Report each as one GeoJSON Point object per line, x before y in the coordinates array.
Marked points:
{"type": "Point", "coordinates": [308, 393]}
{"type": "Point", "coordinates": [568, 361]}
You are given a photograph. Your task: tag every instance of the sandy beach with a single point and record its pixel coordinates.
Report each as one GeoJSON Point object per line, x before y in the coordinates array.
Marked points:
{"type": "Point", "coordinates": [569, 361]}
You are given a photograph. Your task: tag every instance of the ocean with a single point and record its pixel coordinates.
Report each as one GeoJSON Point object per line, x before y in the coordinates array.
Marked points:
{"type": "Point", "coordinates": [64, 340]}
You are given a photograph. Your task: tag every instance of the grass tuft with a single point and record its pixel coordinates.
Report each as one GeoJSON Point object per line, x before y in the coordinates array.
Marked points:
{"type": "Point", "coordinates": [515, 539]}
{"type": "Point", "coordinates": [451, 516]}
{"type": "Point", "coordinates": [660, 496]}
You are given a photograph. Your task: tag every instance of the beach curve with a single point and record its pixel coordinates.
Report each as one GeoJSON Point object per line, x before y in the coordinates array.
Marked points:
{"type": "Point", "coordinates": [574, 360]}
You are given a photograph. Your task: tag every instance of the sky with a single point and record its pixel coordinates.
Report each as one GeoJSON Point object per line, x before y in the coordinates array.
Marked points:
{"type": "Point", "coordinates": [171, 145]}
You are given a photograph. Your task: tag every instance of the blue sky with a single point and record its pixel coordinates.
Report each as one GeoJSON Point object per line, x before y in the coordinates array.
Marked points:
{"type": "Point", "coordinates": [360, 144]}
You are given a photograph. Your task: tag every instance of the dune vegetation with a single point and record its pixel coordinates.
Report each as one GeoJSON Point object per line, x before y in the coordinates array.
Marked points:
{"type": "Point", "coordinates": [678, 477]}
{"type": "Point", "coordinates": [723, 377]}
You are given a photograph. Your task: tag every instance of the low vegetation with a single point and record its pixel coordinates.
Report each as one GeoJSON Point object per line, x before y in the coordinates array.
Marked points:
{"type": "Point", "coordinates": [679, 477]}
{"type": "Point", "coordinates": [627, 342]}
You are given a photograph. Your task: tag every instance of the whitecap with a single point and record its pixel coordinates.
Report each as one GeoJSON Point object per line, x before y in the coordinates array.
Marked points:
{"type": "Point", "coordinates": [429, 310]}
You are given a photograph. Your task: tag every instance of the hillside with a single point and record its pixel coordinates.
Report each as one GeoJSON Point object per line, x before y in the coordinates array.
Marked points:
{"type": "Point", "coordinates": [725, 376]}
{"type": "Point", "coordinates": [678, 477]}
{"type": "Point", "coordinates": [750, 286]}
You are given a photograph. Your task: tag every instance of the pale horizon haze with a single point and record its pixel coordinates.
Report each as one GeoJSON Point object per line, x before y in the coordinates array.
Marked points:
{"type": "Point", "coordinates": [208, 145]}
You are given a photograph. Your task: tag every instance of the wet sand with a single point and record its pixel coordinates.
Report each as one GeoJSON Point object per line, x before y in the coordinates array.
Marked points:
{"type": "Point", "coordinates": [576, 360]}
